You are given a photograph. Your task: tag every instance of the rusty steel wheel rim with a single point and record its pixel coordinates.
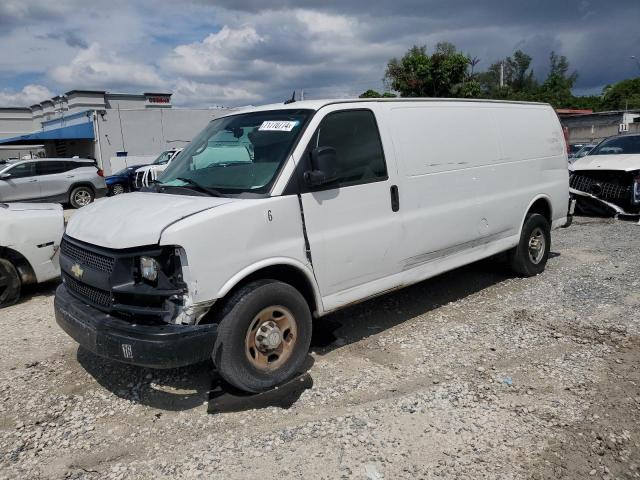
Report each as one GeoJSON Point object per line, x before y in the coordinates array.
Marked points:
{"type": "Point", "coordinates": [271, 337]}
{"type": "Point", "coordinates": [537, 245]}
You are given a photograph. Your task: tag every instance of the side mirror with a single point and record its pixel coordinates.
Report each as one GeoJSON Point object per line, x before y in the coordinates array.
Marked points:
{"type": "Point", "coordinates": [324, 167]}
{"type": "Point", "coordinates": [5, 176]}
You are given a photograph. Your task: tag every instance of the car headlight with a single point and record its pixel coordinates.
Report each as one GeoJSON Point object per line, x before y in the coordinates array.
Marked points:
{"type": "Point", "coordinates": [636, 189]}
{"type": "Point", "coordinates": [149, 268]}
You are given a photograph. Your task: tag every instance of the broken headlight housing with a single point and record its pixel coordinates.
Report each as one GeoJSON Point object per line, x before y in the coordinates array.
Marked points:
{"type": "Point", "coordinates": [149, 268]}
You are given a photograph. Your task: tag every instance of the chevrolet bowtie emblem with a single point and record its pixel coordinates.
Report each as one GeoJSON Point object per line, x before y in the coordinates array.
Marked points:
{"type": "Point", "coordinates": [77, 270]}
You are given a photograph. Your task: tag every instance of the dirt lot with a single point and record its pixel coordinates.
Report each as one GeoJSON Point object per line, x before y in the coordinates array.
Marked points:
{"type": "Point", "coordinates": [474, 374]}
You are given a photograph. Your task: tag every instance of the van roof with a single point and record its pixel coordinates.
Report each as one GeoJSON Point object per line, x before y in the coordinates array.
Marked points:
{"type": "Point", "coordinates": [318, 104]}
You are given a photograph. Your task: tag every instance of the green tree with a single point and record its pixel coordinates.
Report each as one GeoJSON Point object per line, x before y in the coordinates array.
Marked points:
{"type": "Point", "coordinates": [375, 94]}
{"type": "Point", "coordinates": [519, 80]}
{"type": "Point", "coordinates": [418, 74]}
{"type": "Point", "coordinates": [622, 95]}
{"type": "Point", "coordinates": [556, 89]}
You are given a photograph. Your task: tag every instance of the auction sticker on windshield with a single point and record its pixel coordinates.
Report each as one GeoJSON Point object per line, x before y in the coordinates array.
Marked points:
{"type": "Point", "coordinates": [278, 125]}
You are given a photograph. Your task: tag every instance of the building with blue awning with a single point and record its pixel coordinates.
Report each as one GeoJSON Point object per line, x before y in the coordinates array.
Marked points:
{"type": "Point", "coordinates": [105, 126]}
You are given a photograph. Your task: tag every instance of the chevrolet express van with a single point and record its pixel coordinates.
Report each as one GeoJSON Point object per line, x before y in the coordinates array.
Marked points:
{"type": "Point", "coordinates": [277, 215]}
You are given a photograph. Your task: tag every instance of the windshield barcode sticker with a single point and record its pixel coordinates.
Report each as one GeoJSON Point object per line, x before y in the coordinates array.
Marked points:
{"type": "Point", "coordinates": [278, 125]}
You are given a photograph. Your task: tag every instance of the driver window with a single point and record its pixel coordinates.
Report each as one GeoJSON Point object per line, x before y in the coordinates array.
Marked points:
{"type": "Point", "coordinates": [354, 135]}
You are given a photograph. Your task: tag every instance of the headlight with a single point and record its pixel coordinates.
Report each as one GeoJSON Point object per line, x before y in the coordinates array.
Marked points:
{"type": "Point", "coordinates": [149, 268]}
{"type": "Point", "coordinates": [636, 189]}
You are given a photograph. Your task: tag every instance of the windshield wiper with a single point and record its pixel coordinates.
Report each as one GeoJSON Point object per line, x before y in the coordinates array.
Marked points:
{"type": "Point", "coordinates": [211, 191]}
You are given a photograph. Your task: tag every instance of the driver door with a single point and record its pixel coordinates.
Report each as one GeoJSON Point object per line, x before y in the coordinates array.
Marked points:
{"type": "Point", "coordinates": [353, 224]}
{"type": "Point", "coordinates": [21, 185]}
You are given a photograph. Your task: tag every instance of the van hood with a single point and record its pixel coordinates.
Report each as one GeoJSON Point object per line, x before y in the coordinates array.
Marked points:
{"type": "Point", "coordinates": [135, 219]}
{"type": "Point", "coordinates": [622, 162]}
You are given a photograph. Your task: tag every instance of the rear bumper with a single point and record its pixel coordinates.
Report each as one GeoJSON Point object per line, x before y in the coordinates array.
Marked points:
{"type": "Point", "coordinates": [101, 192]}
{"type": "Point", "coordinates": [155, 346]}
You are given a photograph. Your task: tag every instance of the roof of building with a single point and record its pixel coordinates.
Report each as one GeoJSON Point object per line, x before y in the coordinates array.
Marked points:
{"type": "Point", "coordinates": [573, 111]}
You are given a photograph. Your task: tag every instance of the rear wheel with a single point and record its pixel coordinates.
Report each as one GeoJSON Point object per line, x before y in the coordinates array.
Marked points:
{"type": "Point", "coordinates": [9, 283]}
{"type": "Point", "coordinates": [263, 336]}
{"type": "Point", "coordinates": [81, 196]}
{"type": "Point", "coordinates": [530, 256]}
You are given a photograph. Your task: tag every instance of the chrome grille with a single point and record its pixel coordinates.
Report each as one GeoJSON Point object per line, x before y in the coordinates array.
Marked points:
{"type": "Point", "coordinates": [597, 188]}
{"type": "Point", "coordinates": [86, 257]}
{"type": "Point", "coordinates": [92, 294]}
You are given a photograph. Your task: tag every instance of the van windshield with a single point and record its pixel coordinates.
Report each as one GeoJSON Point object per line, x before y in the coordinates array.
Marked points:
{"type": "Point", "coordinates": [237, 154]}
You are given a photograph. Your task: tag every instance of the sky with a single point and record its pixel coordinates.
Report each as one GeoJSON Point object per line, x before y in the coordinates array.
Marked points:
{"type": "Point", "coordinates": [241, 52]}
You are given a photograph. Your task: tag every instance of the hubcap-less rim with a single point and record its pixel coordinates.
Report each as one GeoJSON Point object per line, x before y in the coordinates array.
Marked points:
{"type": "Point", "coordinates": [537, 245]}
{"type": "Point", "coordinates": [82, 198]}
{"type": "Point", "coordinates": [118, 189]}
{"type": "Point", "coordinates": [271, 338]}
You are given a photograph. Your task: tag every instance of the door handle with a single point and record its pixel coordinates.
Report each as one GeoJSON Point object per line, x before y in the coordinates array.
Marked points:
{"type": "Point", "coordinates": [32, 181]}
{"type": "Point", "coordinates": [69, 176]}
{"type": "Point", "coordinates": [395, 198]}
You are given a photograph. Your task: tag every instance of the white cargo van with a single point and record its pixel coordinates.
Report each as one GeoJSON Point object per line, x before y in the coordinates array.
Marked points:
{"type": "Point", "coordinates": [276, 215]}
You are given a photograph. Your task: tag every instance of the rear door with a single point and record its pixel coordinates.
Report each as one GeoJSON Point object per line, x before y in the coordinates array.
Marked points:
{"type": "Point", "coordinates": [21, 185]}
{"type": "Point", "coordinates": [351, 225]}
{"type": "Point", "coordinates": [54, 176]}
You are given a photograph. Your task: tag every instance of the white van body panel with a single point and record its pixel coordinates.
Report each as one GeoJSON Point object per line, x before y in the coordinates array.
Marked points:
{"type": "Point", "coordinates": [39, 246]}
{"type": "Point", "coordinates": [224, 244]}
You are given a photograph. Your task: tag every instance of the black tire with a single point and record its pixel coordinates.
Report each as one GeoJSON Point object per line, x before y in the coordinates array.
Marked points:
{"type": "Point", "coordinates": [81, 196]}
{"type": "Point", "coordinates": [525, 259]}
{"type": "Point", "coordinates": [10, 283]}
{"type": "Point", "coordinates": [118, 189]}
{"type": "Point", "coordinates": [231, 354]}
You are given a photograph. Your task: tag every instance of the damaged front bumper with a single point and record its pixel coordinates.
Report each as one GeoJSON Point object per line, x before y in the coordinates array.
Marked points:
{"type": "Point", "coordinates": [606, 192]}
{"type": "Point", "coordinates": [143, 344]}
{"type": "Point", "coordinates": [589, 204]}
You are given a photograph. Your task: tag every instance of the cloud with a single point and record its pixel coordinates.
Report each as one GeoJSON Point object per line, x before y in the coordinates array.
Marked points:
{"type": "Point", "coordinates": [69, 37]}
{"type": "Point", "coordinates": [93, 68]}
{"type": "Point", "coordinates": [250, 51]}
{"type": "Point", "coordinates": [26, 97]}
{"type": "Point", "coordinates": [192, 93]}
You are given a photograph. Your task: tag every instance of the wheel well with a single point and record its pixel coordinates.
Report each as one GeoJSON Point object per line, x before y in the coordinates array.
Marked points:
{"type": "Point", "coordinates": [283, 273]}
{"type": "Point", "coordinates": [82, 184]}
{"type": "Point", "coordinates": [27, 275]}
{"type": "Point", "coordinates": [542, 207]}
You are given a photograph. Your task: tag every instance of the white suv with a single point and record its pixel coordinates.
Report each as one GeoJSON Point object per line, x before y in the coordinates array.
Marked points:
{"type": "Point", "coordinates": [64, 180]}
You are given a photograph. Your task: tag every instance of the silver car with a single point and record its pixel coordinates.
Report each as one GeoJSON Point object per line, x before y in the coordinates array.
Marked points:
{"type": "Point", "coordinates": [63, 180]}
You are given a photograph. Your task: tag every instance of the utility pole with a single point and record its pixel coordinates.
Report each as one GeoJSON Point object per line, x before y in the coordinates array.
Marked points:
{"type": "Point", "coordinates": [501, 74]}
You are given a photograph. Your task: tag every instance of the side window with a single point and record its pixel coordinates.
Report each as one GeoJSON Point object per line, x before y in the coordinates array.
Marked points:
{"type": "Point", "coordinates": [51, 168]}
{"type": "Point", "coordinates": [354, 134]}
{"type": "Point", "coordinates": [23, 170]}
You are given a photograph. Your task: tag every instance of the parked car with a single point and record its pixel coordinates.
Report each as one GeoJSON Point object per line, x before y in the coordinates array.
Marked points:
{"type": "Point", "coordinates": [574, 148]}
{"type": "Point", "coordinates": [148, 173]}
{"type": "Point", "coordinates": [332, 203]}
{"type": "Point", "coordinates": [28, 254]}
{"type": "Point", "coordinates": [584, 150]}
{"type": "Point", "coordinates": [66, 180]}
{"type": "Point", "coordinates": [122, 181]}
{"type": "Point", "coordinates": [607, 181]}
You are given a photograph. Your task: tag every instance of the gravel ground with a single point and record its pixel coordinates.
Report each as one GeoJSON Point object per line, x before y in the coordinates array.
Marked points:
{"type": "Point", "coordinates": [474, 374]}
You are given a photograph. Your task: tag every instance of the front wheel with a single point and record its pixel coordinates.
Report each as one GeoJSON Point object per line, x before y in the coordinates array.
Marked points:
{"type": "Point", "coordinates": [81, 197]}
{"type": "Point", "coordinates": [263, 336]}
{"type": "Point", "coordinates": [530, 257]}
{"type": "Point", "coordinates": [10, 283]}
